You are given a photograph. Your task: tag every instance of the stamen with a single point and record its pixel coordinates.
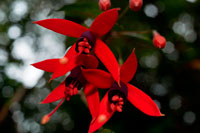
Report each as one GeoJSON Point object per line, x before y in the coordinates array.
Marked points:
{"type": "Point", "coordinates": [117, 103]}
{"type": "Point", "coordinates": [46, 118]}
{"type": "Point", "coordinates": [115, 98]}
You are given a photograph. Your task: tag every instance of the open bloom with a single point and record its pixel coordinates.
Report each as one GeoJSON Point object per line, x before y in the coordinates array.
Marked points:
{"type": "Point", "coordinates": [88, 39]}
{"type": "Point", "coordinates": [70, 86]}
{"type": "Point", "coordinates": [118, 94]}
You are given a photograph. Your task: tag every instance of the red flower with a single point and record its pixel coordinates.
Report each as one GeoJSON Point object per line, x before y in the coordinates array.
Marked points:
{"type": "Point", "coordinates": [135, 5]}
{"type": "Point", "coordinates": [158, 40]}
{"type": "Point", "coordinates": [73, 82]}
{"type": "Point", "coordinates": [117, 95]}
{"type": "Point", "coordinates": [69, 87]}
{"type": "Point", "coordinates": [88, 40]}
{"type": "Point", "coordinates": [104, 4]}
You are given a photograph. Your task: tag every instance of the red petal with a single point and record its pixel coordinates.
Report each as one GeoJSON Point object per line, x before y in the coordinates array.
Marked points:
{"type": "Point", "coordinates": [48, 65]}
{"type": "Point", "coordinates": [104, 22]}
{"type": "Point", "coordinates": [89, 61]}
{"type": "Point", "coordinates": [104, 115]}
{"type": "Point", "coordinates": [92, 96]}
{"type": "Point", "coordinates": [108, 59]}
{"type": "Point", "coordinates": [98, 78]}
{"type": "Point", "coordinates": [62, 26]}
{"type": "Point", "coordinates": [128, 69]}
{"type": "Point", "coordinates": [56, 94]}
{"type": "Point", "coordinates": [71, 52]}
{"type": "Point", "coordinates": [142, 101]}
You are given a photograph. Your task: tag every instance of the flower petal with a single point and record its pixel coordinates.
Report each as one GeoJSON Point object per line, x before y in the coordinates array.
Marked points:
{"type": "Point", "coordinates": [128, 69]}
{"type": "Point", "coordinates": [56, 94]}
{"type": "Point", "coordinates": [142, 101]}
{"type": "Point", "coordinates": [62, 26]}
{"type": "Point", "coordinates": [48, 65]}
{"type": "Point", "coordinates": [71, 52]}
{"type": "Point", "coordinates": [108, 59]}
{"type": "Point", "coordinates": [89, 61]}
{"type": "Point", "coordinates": [98, 78]}
{"type": "Point", "coordinates": [104, 22]}
{"type": "Point", "coordinates": [92, 96]}
{"type": "Point", "coordinates": [105, 113]}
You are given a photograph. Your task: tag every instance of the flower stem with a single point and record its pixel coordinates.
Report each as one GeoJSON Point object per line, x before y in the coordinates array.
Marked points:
{"type": "Point", "coordinates": [123, 12]}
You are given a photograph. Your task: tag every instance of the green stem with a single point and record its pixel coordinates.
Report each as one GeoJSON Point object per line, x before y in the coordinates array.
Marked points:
{"type": "Point", "coordinates": [123, 12]}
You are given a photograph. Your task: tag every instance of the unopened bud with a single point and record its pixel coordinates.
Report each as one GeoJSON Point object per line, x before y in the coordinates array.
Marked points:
{"type": "Point", "coordinates": [104, 5]}
{"type": "Point", "coordinates": [45, 119]}
{"type": "Point", "coordinates": [158, 40]}
{"type": "Point", "coordinates": [135, 5]}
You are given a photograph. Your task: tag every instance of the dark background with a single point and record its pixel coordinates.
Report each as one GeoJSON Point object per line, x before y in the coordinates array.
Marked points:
{"type": "Point", "coordinates": [170, 76]}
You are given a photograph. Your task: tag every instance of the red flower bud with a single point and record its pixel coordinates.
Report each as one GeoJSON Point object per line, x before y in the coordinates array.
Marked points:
{"type": "Point", "coordinates": [158, 40]}
{"type": "Point", "coordinates": [104, 5]}
{"type": "Point", "coordinates": [135, 5]}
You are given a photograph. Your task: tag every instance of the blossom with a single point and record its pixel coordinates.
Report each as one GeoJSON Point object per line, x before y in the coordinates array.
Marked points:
{"type": "Point", "coordinates": [135, 5]}
{"type": "Point", "coordinates": [69, 87]}
{"type": "Point", "coordinates": [88, 39]}
{"type": "Point", "coordinates": [158, 40]}
{"type": "Point", "coordinates": [118, 93]}
{"type": "Point", "coordinates": [104, 4]}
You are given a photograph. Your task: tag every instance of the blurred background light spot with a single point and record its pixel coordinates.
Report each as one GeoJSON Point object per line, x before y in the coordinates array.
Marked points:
{"type": "Point", "coordinates": [169, 48]}
{"type": "Point", "coordinates": [26, 74]}
{"type": "Point", "coordinates": [184, 26]}
{"type": "Point", "coordinates": [191, 1]}
{"type": "Point", "coordinates": [14, 31]}
{"type": "Point", "coordinates": [190, 36]}
{"type": "Point", "coordinates": [175, 102]}
{"type": "Point", "coordinates": [18, 116]}
{"type": "Point", "coordinates": [151, 10]}
{"type": "Point", "coordinates": [159, 89]}
{"type": "Point", "coordinates": [3, 57]}
{"type": "Point", "coordinates": [22, 49]}
{"type": "Point", "coordinates": [7, 91]}
{"type": "Point", "coordinates": [19, 8]}
{"type": "Point", "coordinates": [150, 61]}
{"type": "Point", "coordinates": [189, 117]}
{"type": "Point", "coordinates": [88, 22]}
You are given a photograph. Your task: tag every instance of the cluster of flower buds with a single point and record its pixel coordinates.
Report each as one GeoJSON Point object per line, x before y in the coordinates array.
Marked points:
{"type": "Point", "coordinates": [134, 5]}
{"type": "Point", "coordinates": [81, 60]}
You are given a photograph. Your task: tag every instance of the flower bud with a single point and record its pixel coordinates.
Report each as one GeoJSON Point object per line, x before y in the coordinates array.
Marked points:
{"type": "Point", "coordinates": [158, 40]}
{"type": "Point", "coordinates": [104, 5]}
{"type": "Point", "coordinates": [135, 5]}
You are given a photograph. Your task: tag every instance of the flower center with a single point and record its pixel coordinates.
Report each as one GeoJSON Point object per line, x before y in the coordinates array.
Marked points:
{"type": "Point", "coordinates": [117, 96]}
{"type": "Point", "coordinates": [85, 43]}
{"type": "Point", "coordinates": [71, 88]}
